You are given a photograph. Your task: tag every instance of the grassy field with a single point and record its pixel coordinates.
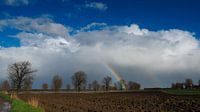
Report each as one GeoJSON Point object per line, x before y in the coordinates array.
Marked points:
{"type": "Point", "coordinates": [183, 91]}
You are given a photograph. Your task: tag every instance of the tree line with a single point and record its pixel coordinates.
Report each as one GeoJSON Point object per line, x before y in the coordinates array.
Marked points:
{"type": "Point", "coordinates": [188, 84]}
{"type": "Point", "coordinates": [21, 77]}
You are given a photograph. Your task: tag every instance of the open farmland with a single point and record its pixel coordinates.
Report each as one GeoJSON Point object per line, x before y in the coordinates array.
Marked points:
{"type": "Point", "coordinates": [115, 102]}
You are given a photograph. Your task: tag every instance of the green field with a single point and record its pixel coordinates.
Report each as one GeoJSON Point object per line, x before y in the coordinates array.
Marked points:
{"type": "Point", "coordinates": [183, 91]}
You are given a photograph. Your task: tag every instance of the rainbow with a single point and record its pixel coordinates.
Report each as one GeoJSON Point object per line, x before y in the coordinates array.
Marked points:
{"type": "Point", "coordinates": [118, 77]}
{"type": "Point", "coordinates": [114, 72]}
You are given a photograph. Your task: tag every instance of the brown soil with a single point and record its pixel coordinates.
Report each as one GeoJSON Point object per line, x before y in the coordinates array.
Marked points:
{"type": "Point", "coordinates": [115, 102]}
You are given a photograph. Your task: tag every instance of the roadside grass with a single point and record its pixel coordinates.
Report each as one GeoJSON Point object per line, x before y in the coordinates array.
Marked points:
{"type": "Point", "coordinates": [21, 106]}
{"type": "Point", "coordinates": [183, 91]}
{"type": "Point", "coordinates": [18, 105]}
{"type": "Point", "coordinates": [5, 97]}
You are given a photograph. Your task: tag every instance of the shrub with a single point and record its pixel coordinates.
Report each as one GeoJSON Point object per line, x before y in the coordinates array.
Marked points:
{"type": "Point", "coordinates": [14, 95]}
{"type": "Point", "coordinates": [34, 102]}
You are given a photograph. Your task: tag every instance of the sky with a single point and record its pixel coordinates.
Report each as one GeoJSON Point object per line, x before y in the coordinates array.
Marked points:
{"type": "Point", "coordinates": [152, 42]}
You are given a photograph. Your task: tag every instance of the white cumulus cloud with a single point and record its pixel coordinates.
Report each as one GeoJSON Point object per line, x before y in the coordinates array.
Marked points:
{"type": "Point", "coordinates": [96, 5]}
{"type": "Point", "coordinates": [16, 2]}
{"type": "Point", "coordinates": [38, 25]}
{"type": "Point", "coordinates": [136, 53]}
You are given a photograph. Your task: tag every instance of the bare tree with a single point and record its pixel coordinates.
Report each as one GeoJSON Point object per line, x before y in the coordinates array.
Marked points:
{"type": "Point", "coordinates": [56, 82]}
{"type": "Point", "coordinates": [79, 80]}
{"type": "Point", "coordinates": [28, 83]}
{"type": "Point", "coordinates": [133, 85]}
{"type": "Point", "coordinates": [173, 86]}
{"type": "Point", "coordinates": [45, 86]}
{"type": "Point", "coordinates": [199, 83]}
{"type": "Point", "coordinates": [188, 83]}
{"type": "Point", "coordinates": [103, 88]}
{"type": "Point", "coordinates": [116, 86]}
{"type": "Point", "coordinates": [122, 84]}
{"type": "Point", "coordinates": [107, 81]}
{"type": "Point", "coordinates": [68, 86]}
{"type": "Point", "coordinates": [95, 85]}
{"type": "Point", "coordinates": [178, 85]}
{"type": "Point", "coordinates": [89, 86]}
{"type": "Point", "coordinates": [5, 86]}
{"type": "Point", "coordinates": [18, 74]}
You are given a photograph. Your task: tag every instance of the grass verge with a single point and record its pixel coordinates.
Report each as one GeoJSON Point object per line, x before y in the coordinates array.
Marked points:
{"type": "Point", "coordinates": [183, 91]}
{"type": "Point", "coordinates": [18, 105]}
